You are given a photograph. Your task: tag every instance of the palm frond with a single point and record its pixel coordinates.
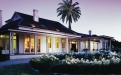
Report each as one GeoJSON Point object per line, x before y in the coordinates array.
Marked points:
{"type": "Point", "coordinates": [68, 11]}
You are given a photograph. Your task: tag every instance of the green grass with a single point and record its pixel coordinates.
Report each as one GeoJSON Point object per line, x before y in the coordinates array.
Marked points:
{"type": "Point", "coordinates": [19, 69]}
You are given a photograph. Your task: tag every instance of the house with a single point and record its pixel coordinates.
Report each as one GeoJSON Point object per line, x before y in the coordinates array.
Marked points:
{"type": "Point", "coordinates": [26, 36]}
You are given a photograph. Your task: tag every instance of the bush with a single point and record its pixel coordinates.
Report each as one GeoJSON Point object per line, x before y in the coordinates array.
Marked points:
{"type": "Point", "coordinates": [43, 63]}
{"type": "Point", "coordinates": [70, 63]}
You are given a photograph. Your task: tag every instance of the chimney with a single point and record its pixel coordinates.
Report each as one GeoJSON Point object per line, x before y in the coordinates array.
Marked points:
{"type": "Point", "coordinates": [90, 32]}
{"type": "Point", "coordinates": [0, 18]}
{"type": "Point", "coordinates": [35, 15]}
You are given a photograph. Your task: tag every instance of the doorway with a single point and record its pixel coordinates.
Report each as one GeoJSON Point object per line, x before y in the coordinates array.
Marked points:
{"type": "Point", "coordinates": [73, 48]}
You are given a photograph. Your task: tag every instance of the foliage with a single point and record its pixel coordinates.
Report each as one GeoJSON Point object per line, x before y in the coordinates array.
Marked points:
{"type": "Point", "coordinates": [98, 63]}
{"type": "Point", "coordinates": [69, 10]}
{"type": "Point", "coordinates": [43, 63]}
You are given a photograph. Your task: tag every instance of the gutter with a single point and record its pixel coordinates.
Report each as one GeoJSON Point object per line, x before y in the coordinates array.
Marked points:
{"type": "Point", "coordinates": [37, 32]}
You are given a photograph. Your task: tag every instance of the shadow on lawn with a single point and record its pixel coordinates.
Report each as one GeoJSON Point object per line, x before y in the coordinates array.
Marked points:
{"type": "Point", "coordinates": [19, 69]}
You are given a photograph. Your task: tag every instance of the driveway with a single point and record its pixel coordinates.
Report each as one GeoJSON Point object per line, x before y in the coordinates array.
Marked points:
{"type": "Point", "coordinates": [15, 61]}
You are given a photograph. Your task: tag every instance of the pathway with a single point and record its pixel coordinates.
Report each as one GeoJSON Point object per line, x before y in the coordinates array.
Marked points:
{"type": "Point", "coordinates": [15, 61]}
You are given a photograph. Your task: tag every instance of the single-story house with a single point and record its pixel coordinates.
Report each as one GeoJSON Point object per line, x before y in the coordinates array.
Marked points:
{"type": "Point", "coordinates": [30, 35]}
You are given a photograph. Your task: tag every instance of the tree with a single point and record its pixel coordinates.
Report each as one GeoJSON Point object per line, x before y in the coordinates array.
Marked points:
{"type": "Point", "coordinates": [68, 10]}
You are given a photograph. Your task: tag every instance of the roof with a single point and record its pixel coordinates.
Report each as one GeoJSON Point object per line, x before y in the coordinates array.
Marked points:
{"type": "Point", "coordinates": [27, 21]}
{"type": "Point", "coordinates": [46, 24]}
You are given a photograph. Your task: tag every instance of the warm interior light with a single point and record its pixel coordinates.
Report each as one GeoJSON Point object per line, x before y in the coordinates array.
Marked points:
{"type": "Point", "coordinates": [33, 25]}
{"type": "Point", "coordinates": [57, 30]}
{"type": "Point", "coordinates": [14, 33]}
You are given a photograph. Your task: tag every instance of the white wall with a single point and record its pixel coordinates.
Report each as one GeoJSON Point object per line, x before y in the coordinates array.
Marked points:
{"type": "Point", "coordinates": [57, 50]}
{"type": "Point", "coordinates": [21, 43]}
{"type": "Point", "coordinates": [43, 44]}
{"type": "Point", "coordinates": [81, 45]}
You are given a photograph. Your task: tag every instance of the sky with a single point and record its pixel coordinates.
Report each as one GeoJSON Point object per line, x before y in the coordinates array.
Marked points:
{"type": "Point", "coordinates": [102, 17]}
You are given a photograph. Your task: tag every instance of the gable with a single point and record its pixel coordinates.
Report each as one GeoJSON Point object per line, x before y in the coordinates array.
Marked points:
{"type": "Point", "coordinates": [15, 17]}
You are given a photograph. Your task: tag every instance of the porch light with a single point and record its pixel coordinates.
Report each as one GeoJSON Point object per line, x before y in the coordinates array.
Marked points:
{"type": "Point", "coordinates": [1, 36]}
{"type": "Point", "coordinates": [14, 33]}
{"type": "Point", "coordinates": [57, 30]}
{"type": "Point", "coordinates": [33, 25]}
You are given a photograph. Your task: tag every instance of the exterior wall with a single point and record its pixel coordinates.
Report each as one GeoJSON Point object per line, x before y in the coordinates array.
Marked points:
{"type": "Point", "coordinates": [57, 50]}
{"type": "Point", "coordinates": [21, 43]}
{"type": "Point", "coordinates": [43, 44]}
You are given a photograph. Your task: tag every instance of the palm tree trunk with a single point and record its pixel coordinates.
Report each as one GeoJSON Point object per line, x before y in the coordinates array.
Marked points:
{"type": "Point", "coordinates": [69, 25]}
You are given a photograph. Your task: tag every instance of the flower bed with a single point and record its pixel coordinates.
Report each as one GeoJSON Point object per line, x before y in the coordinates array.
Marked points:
{"type": "Point", "coordinates": [97, 63]}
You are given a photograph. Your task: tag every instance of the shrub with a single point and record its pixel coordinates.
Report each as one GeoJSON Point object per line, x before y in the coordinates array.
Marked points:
{"type": "Point", "coordinates": [70, 63]}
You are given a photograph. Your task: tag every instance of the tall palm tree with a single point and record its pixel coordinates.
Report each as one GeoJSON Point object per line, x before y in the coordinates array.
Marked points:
{"type": "Point", "coordinates": [69, 11]}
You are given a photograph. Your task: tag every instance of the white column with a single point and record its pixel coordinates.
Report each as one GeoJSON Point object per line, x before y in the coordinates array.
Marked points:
{"type": "Point", "coordinates": [89, 45]}
{"type": "Point", "coordinates": [78, 45]}
{"type": "Point", "coordinates": [67, 45]}
{"type": "Point", "coordinates": [11, 51]}
{"type": "Point", "coordinates": [47, 49]}
{"type": "Point", "coordinates": [82, 45]}
{"type": "Point", "coordinates": [110, 45]}
{"type": "Point", "coordinates": [35, 44]}
{"type": "Point", "coordinates": [99, 46]}
{"type": "Point", "coordinates": [102, 44]}
{"type": "Point", "coordinates": [105, 44]}
{"type": "Point", "coordinates": [86, 42]}
{"type": "Point", "coordinates": [30, 44]}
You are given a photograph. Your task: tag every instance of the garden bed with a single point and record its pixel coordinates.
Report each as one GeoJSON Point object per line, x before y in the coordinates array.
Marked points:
{"type": "Point", "coordinates": [75, 63]}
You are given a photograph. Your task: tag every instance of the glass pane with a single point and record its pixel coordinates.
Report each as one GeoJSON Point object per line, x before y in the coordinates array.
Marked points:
{"type": "Point", "coordinates": [57, 42]}
{"type": "Point", "coordinates": [14, 42]}
{"type": "Point", "coordinates": [4, 41]}
{"type": "Point", "coordinates": [27, 44]}
{"type": "Point", "coordinates": [38, 45]}
{"type": "Point", "coordinates": [63, 43]}
{"type": "Point", "coordinates": [49, 42]}
{"type": "Point", "coordinates": [32, 44]}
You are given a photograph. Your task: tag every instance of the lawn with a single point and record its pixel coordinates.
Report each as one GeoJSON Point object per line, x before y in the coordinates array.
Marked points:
{"type": "Point", "coordinates": [20, 69]}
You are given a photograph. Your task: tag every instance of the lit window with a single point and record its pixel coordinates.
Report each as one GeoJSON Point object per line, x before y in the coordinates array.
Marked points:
{"type": "Point", "coordinates": [93, 45]}
{"type": "Point", "coordinates": [56, 42]}
{"type": "Point", "coordinates": [84, 44]}
{"type": "Point", "coordinates": [49, 42]}
{"type": "Point", "coordinates": [38, 45]}
{"type": "Point", "coordinates": [63, 43]}
{"type": "Point", "coordinates": [14, 42]}
{"type": "Point", "coordinates": [32, 44]}
{"type": "Point", "coordinates": [27, 44]}
{"type": "Point", "coordinates": [33, 25]}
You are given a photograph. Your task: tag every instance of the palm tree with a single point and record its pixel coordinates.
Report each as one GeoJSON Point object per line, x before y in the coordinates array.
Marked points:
{"type": "Point", "coordinates": [69, 11]}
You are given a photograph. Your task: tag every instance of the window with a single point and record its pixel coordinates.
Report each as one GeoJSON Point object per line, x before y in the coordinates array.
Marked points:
{"type": "Point", "coordinates": [14, 42]}
{"type": "Point", "coordinates": [49, 42]}
{"type": "Point", "coordinates": [32, 44]}
{"type": "Point", "coordinates": [84, 45]}
{"type": "Point", "coordinates": [63, 43]}
{"type": "Point", "coordinates": [27, 44]}
{"type": "Point", "coordinates": [57, 42]}
{"type": "Point", "coordinates": [38, 45]}
{"type": "Point", "coordinates": [93, 45]}
{"type": "Point", "coordinates": [4, 41]}
{"type": "Point", "coordinates": [97, 45]}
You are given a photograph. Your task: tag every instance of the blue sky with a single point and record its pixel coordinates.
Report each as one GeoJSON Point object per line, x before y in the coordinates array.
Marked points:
{"type": "Point", "coordinates": [103, 17]}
